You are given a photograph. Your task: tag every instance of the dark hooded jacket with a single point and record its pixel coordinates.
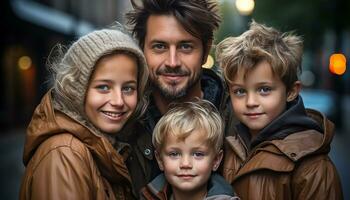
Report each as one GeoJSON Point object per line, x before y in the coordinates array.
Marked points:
{"type": "Point", "coordinates": [159, 189]}
{"type": "Point", "coordinates": [66, 160]}
{"type": "Point", "coordinates": [287, 160]}
{"type": "Point", "coordinates": [142, 164]}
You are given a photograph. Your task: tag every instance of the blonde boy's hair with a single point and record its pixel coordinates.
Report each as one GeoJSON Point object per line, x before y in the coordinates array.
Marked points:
{"type": "Point", "coordinates": [283, 51]}
{"type": "Point", "coordinates": [184, 118]}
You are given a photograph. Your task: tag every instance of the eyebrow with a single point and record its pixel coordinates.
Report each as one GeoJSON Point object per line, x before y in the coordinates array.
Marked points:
{"type": "Point", "coordinates": [181, 41]}
{"type": "Point", "coordinates": [258, 83]}
{"type": "Point", "coordinates": [110, 81]}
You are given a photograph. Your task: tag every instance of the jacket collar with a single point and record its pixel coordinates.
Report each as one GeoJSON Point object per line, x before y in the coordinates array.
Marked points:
{"type": "Point", "coordinates": [216, 186]}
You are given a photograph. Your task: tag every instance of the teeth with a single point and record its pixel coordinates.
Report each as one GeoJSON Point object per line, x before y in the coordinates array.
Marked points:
{"type": "Point", "coordinates": [112, 114]}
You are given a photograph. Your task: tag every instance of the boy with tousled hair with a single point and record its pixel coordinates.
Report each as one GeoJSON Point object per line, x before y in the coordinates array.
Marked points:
{"type": "Point", "coordinates": [279, 149]}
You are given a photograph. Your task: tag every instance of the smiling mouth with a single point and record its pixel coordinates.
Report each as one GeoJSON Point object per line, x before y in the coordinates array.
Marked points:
{"type": "Point", "coordinates": [114, 115]}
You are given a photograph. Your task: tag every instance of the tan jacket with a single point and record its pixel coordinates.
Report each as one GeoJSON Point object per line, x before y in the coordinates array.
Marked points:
{"type": "Point", "coordinates": [296, 167]}
{"type": "Point", "coordinates": [65, 160]}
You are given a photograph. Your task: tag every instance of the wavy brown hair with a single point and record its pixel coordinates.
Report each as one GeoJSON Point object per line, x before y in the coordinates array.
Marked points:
{"type": "Point", "coordinates": [283, 51]}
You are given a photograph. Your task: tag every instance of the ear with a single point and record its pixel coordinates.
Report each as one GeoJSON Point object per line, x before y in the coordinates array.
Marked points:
{"type": "Point", "coordinates": [159, 160]}
{"type": "Point", "coordinates": [206, 51]}
{"type": "Point", "coordinates": [217, 160]}
{"type": "Point", "coordinates": [294, 91]}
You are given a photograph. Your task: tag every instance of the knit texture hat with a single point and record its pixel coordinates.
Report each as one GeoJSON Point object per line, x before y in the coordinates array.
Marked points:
{"type": "Point", "coordinates": [74, 71]}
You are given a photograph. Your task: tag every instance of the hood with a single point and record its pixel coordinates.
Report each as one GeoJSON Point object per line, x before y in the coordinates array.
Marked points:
{"type": "Point", "coordinates": [308, 142]}
{"type": "Point", "coordinates": [293, 120]}
{"type": "Point", "coordinates": [46, 122]}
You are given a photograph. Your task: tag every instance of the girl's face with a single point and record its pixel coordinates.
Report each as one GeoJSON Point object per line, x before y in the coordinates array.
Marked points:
{"type": "Point", "coordinates": [111, 96]}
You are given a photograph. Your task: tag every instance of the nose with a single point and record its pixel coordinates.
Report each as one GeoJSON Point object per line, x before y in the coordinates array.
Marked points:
{"type": "Point", "coordinates": [173, 60]}
{"type": "Point", "coordinates": [116, 98]}
{"type": "Point", "coordinates": [251, 100]}
{"type": "Point", "coordinates": [186, 162]}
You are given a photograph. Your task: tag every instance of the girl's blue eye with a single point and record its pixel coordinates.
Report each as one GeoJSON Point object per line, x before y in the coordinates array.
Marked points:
{"type": "Point", "coordinates": [128, 89]}
{"type": "Point", "coordinates": [102, 87]}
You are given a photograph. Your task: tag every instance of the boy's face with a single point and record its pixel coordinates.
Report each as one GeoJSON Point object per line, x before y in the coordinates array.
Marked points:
{"type": "Point", "coordinates": [258, 98]}
{"type": "Point", "coordinates": [111, 96]}
{"type": "Point", "coordinates": [187, 164]}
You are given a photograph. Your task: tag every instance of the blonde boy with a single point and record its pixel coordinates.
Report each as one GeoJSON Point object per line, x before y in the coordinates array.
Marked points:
{"type": "Point", "coordinates": [279, 150]}
{"type": "Point", "coordinates": [188, 140]}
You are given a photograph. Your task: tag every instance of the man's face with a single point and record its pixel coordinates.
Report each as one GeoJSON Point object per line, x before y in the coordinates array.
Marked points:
{"type": "Point", "coordinates": [173, 55]}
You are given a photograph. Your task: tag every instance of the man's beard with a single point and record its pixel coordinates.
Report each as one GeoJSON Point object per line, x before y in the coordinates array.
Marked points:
{"type": "Point", "coordinates": [170, 92]}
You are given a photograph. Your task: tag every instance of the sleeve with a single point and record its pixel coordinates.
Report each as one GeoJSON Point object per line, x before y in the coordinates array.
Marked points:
{"type": "Point", "coordinates": [317, 178]}
{"type": "Point", "coordinates": [62, 174]}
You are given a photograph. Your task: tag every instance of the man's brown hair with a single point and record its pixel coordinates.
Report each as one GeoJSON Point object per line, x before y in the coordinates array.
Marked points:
{"type": "Point", "coordinates": [198, 17]}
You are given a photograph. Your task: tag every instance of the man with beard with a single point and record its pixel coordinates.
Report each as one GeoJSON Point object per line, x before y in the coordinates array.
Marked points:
{"type": "Point", "coordinates": [176, 37]}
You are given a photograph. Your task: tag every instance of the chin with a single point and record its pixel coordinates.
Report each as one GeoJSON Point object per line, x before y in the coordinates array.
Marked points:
{"type": "Point", "coordinates": [112, 130]}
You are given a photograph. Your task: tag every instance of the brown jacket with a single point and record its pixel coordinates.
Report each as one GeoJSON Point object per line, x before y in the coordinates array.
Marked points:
{"type": "Point", "coordinates": [65, 160]}
{"type": "Point", "coordinates": [296, 167]}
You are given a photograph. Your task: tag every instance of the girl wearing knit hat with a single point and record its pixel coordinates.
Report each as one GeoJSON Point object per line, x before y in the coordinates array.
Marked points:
{"type": "Point", "coordinates": [71, 150]}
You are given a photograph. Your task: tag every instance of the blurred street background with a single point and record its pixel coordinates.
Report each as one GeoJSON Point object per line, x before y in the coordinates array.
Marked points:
{"type": "Point", "coordinates": [31, 28]}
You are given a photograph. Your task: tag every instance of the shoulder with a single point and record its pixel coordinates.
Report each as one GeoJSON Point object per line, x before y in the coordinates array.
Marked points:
{"type": "Point", "coordinates": [315, 165]}
{"type": "Point", "coordinates": [316, 177]}
{"type": "Point", "coordinates": [299, 145]}
{"type": "Point", "coordinates": [58, 148]}
{"type": "Point", "coordinates": [63, 141]}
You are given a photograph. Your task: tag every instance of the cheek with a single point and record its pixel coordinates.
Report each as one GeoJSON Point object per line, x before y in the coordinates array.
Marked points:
{"type": "Point", "coordinates": [205, 166]}
{"type": "Point", "coordinates": [169, 165]}
{"type": "Point", "coordinates": [92, 100]}
{"type": "Point", "coordinates": [153, 60]}
{"type": "Point", "coordinates": [278, 108]}
{"type": "Point", "coordinates": [236, 104]}
{"type": "Point", "coordinates": [131, 101]}
{"type": "Point", "coordinates": [194, 63]}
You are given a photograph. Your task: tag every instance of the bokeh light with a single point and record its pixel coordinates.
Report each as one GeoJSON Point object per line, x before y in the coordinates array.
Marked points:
{"type": "Point", "coordinates": [24, 62]}
{"type": "Point", "coordinates": [337, 64]}
{"type": "Point", "coordinates": [245, 7]}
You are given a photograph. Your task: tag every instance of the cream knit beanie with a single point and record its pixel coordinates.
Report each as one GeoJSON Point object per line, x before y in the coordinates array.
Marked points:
{"type": "Point", "coordinates": [75, 69]}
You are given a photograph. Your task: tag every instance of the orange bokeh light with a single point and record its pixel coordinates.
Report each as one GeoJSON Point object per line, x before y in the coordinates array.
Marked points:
{"type": "Point", "coordinates": [337, 64]}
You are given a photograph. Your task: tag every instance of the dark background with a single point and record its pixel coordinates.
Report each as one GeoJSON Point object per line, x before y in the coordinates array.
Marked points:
{"type": "Point", "coordinates": [32, 28]}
